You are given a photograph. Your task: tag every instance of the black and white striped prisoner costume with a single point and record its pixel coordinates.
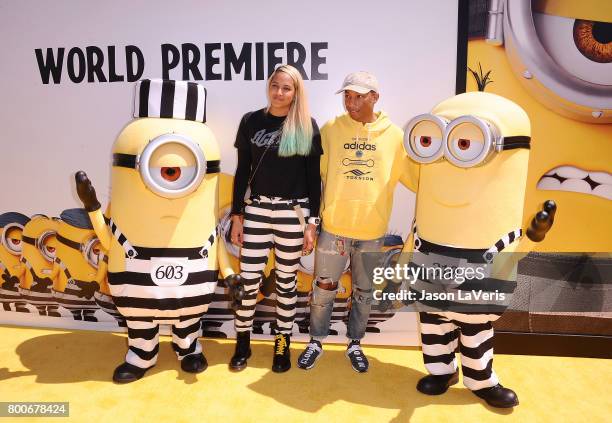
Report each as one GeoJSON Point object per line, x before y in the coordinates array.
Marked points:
{"type": "Point", "coordinates": [444, 325]}
{"type": "Point", "coordinates": [145, 304]}
{"type": "Point", "coordinates": [271, 222]}
{"type": "Point", "coordinates": [9, 292]}
{"type": "Point", "coordinates": [105, 302]}
{"type": "Point", "coordinates": [40, 294]}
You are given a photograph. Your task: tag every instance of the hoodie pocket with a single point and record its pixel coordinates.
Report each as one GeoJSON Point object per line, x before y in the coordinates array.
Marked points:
{"type": "Point", "coordinates": [357, 215]}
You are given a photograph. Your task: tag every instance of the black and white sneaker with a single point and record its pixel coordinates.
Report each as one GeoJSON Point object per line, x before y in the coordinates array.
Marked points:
{"type": "Point", "coordinates": [358, 359]}
{"type": "Point", "coordinates": [310, 355]}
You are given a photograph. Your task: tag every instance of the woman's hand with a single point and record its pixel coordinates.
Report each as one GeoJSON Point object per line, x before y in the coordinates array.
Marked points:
{"type": "Point", "coordinates": [237, 229]}
{"type": "Point", "coordinates": [309, 238]}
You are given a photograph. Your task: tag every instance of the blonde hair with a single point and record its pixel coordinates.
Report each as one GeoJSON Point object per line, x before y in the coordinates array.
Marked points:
{"type": "Point", "coordinates": [296, 134]}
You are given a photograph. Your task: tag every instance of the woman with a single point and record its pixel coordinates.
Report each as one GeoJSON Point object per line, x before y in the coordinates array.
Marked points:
{"type": "Point", "coordinates": [279, 149]}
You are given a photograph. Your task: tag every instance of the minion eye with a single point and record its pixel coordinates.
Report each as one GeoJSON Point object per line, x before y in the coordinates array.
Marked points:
{"type": "Point", "coordinates": [465, 149]}
{"type": "Point", "coordinates": [171, 174]}
{"type": "Point", "coordinates": [423, 138]}
{"type": "Point", "coordinates": [15, 242]}
{"type": "Point", "coordinates": [594, 40]}
{"type": "Point", "coordinates": [581, 47]}
{"type": "Point", "coordinates": [172, 165]}
{"type": "Point", "coordinates": [91, 252]}
{"type": "Point", "coordinates": [173, 178]}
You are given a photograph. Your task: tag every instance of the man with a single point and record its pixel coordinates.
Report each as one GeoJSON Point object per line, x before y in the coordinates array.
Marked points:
{"type": "Point", "coordinates": [362, 161]}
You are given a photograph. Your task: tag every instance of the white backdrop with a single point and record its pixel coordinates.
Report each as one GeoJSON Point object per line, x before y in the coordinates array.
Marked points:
{"type": "Point", "coordinates": [51, 130]}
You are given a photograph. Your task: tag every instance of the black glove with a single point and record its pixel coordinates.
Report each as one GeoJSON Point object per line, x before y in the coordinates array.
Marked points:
{"type": "Point", "coordinates": [10, 282]}
{"type": "Point", "coordinates": [41, 285]}
{"type": "Point", "coordinates": [87, 289]}
{"type": "Point", "coordinates": [542, 222]}
{"type": "Point", "coordinates": [236, 289]}
{"type": "Point", "coordinates": [86, 192]}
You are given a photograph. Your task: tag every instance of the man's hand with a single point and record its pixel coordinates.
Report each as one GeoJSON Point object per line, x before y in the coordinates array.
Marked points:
{"type": "Point", "coordinates": [542, 222]}
{"type": "Point", "coordinates": [310, 235]}
{"type": "Point", "coordinates": [86, 192]}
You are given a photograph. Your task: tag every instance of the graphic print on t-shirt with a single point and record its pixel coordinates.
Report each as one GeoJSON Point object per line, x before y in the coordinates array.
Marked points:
{"type": "Point", "coordinates": [262, 138]}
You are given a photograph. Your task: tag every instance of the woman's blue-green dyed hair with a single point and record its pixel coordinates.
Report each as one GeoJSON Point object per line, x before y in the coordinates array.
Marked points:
{"type": "Point", "coordinates": [296, 136]}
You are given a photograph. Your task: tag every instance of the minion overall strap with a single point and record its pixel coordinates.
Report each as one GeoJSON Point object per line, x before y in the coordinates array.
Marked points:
{"type": "Point", "coordinates": [64, 268]}
{"type": "Point", "coordinates": [147, 253]}
{"type": "Point", "coordinates": [28, 240]}
{"type": "Point", "coordinates": [69, 243]}
{"type": "Point", "coordinates": [129, 250]}
{"type": "Point", "coordinates": [130, 161]}
{"type": "Point", "coordinates": [488, 255]}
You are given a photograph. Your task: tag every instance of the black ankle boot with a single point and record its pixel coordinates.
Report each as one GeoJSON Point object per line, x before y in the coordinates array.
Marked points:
{"type": "Point", "coordinates": [498, 396]}
{"type": "Point", "coordinates": [437, 384]}
{"type": "Point", "coordinates": [243, 351]}
{"type": "Point", "coordinates": [127, 373]}
{"type": "Point", "coordinates": [282, 358]}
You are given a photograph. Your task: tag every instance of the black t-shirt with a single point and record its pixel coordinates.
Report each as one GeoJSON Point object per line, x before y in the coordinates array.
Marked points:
{"type": "Point", "coordinates": [287, 177]}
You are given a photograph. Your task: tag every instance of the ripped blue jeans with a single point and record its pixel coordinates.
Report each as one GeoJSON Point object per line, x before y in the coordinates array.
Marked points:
{"type": "Point", "coordinates": [331, 257]}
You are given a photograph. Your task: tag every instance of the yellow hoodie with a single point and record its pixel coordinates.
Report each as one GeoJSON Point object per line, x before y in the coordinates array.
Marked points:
{"type": "Point", "coordinates": [360, 166]}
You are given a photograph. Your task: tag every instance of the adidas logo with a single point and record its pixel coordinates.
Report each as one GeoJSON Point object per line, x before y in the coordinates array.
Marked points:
{"type": "Point", "coordinates": [359, 146]}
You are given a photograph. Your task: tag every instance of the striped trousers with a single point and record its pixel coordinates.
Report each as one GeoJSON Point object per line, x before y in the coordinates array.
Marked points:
{"type": "Point", "coordinates": [143, 341]}
{"type": "Point", "coordinates": [440, 335]}
{"type": "Point", "coordinates": [271, 222]}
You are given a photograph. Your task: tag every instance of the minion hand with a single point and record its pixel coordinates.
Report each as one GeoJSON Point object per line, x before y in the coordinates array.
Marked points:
{"type": "Point", "coordinates": [87, 289]}
{"type": "Point", "coordinates": [10, 282]}
{"type": "Point", "coordinates": [542, 222]}
{"type": "Point", "coordinates": [236, 289]}
{"type": "Point", "coordinates": [86, 192]}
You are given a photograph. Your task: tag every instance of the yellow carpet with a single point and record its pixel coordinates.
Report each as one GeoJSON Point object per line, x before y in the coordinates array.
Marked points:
{"type": "Point", "coordinates": [76, 366]}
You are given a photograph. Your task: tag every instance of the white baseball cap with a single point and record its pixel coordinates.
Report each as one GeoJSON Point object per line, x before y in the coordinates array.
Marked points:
{"type": "Point", "coordinates": [360, 82]}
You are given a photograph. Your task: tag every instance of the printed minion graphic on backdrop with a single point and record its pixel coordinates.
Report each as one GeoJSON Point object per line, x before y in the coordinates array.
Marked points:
{"type": "Point", "coordinates": [554, 59]}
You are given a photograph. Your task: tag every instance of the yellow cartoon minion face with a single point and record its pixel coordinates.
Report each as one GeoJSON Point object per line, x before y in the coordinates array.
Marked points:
{"type": "Point", "coordinates": [40, 243]}
{"type": "Point", "coordinates": [556, 62]}
{"type": "Point", "coordinates": [11, 239]}
{"type": "Point", "coordinates": [164, 176]}
{"type": "Point", "coordinates": [474, 151]}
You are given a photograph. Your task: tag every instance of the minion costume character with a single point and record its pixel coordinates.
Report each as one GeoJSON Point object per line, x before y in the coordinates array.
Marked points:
{"type": "Point", "coordinates": [162, 234]}
{"type": "Point", "coordinates": [473, 151]}
{"type": "Point", "coordinates": [11, 267]}
{"type": "Point", "coordinates": [78, 253]}
{"type": "Point", "coordinates": [38, 257]}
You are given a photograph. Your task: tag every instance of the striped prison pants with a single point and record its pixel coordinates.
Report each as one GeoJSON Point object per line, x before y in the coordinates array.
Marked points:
{"type": "Point", "coordinates": [271, 222]}
{"type": "Point", "coordinates": [143, 341]}
{"type": "Point", "coordinates": [440, 335]}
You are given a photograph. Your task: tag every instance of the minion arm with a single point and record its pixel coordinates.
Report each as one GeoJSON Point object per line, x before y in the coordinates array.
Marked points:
{"type": "Point", "coordinates": [87, 194]}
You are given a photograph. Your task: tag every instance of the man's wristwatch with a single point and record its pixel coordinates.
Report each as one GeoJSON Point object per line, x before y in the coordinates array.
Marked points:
{"type": "Point", "coordinates": [314, 221]}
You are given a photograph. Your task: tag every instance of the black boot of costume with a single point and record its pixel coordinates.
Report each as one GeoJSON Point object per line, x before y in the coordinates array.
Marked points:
{"type": "Point", "coordinates": [194, 363]}
{"type": "Point", "coordinates": [498, 396]}
{"type": "Point", "coordinates": [127, 373]}
{"type": "Point", "coordinates": [437, 384]}
{"type": "Point", "coordinates": [242, 353]}
{"type": "Point", "coordinates": [282, 358]}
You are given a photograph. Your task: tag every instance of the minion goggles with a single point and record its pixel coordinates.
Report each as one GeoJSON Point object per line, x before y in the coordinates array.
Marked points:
{"type": "Point", "coordinates": [171, 182]}
{"type": "Point", "coordinates": [86, 248]}
{"type": "Point", "coordinates": [426, 145]}
{"type": "Point", "coordinates": [39, 243]}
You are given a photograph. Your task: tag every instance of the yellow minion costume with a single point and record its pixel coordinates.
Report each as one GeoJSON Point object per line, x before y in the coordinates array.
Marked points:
{"type": "Point", "coordinates": [473, 151]}
{"type": "Point", "coordinates": [162, 234]}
